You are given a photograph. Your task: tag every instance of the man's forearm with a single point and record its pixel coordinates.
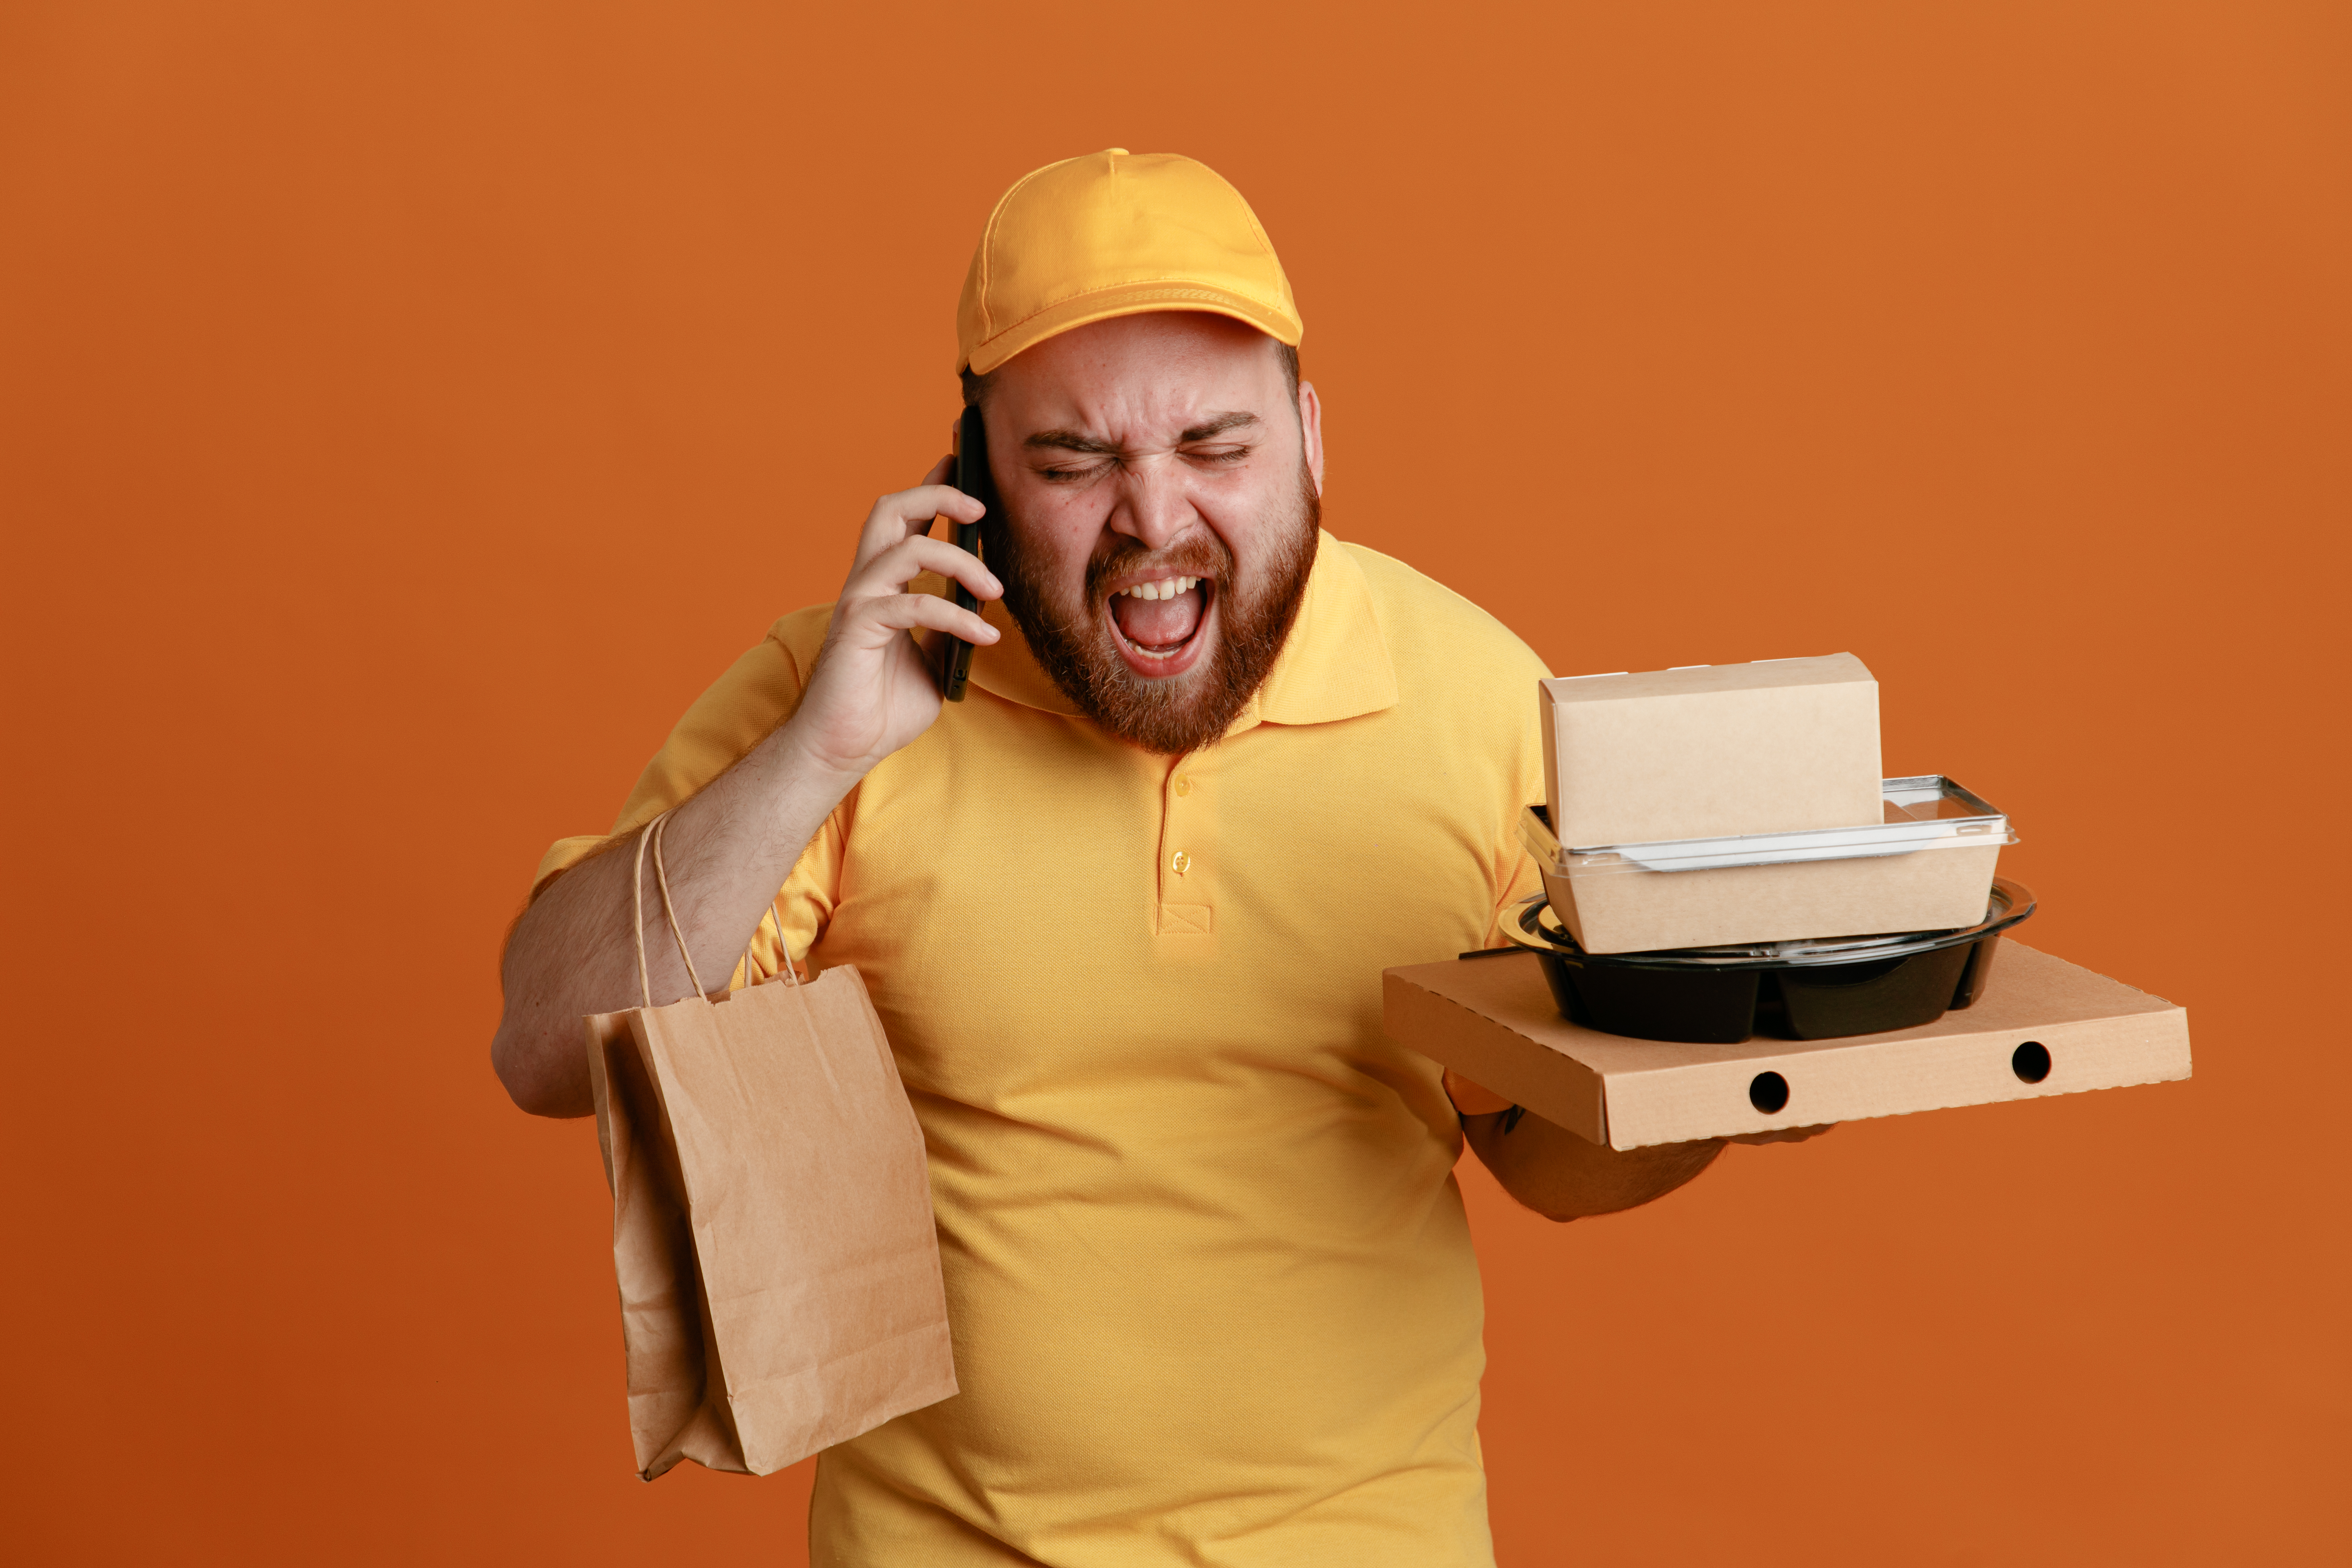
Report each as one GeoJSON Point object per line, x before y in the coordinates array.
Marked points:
{"type": "Point", "coordinates": [728, 849]}
{"type": "Point", "coordinates": [1563, 1176]}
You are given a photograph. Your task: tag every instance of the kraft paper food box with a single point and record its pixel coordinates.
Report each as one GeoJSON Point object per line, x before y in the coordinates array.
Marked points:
{"type": "Point", "coordinates": [1777, 746]}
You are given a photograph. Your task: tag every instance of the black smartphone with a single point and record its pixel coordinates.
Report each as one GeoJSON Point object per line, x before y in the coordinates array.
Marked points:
{"type": "Point", "coordinates": [971, 478]}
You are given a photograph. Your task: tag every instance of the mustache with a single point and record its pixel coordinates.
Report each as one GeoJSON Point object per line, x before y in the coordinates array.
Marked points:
{"type": "Point", "coordinates": [1201, 555]}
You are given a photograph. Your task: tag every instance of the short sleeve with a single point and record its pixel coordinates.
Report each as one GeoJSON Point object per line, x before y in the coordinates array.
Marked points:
{"type": "Point", "coordinates": [1515, 873]}
{"type": "Point", "coordinates": [758, 691]}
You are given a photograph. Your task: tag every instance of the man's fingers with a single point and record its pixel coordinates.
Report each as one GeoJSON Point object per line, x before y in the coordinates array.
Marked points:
{"type": "Point", "coordinates": [880, 620]}
{"type": "Point", "coordinates": [1784, 1134]}
{"type": "Point", "coordinates": [893, 568]}
{"type": "Point", "coordinates": [896, 517]}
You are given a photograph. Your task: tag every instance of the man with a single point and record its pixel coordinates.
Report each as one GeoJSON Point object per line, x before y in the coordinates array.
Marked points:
{"type": "Point", "coordinates": [1123, 913]}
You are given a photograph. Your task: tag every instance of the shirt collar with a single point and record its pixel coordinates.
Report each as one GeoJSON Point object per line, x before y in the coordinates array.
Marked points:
{"type": "Point", "coordinates": [1333, 663]}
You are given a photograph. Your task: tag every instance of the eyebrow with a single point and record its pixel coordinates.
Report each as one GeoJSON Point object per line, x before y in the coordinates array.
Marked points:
{"type": "Point", "coordinates": [1218, 427]}
{"type": "Point", "coordinates": [1079, 441]}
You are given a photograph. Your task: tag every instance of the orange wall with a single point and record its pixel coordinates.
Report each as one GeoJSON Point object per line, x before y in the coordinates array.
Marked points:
{"type": "Point", "coordinates": [409, 405]}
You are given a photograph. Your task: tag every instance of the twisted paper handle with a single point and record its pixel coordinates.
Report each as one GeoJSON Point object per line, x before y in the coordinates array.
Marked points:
{"type": "Point", "coordinates": [670, 913]}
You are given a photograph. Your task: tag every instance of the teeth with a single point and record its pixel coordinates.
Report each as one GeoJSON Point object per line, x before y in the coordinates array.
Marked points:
{"type": "Point", "coordinates": [1166, 588]}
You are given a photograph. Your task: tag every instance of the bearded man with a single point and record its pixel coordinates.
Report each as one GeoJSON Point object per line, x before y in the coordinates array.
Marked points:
{"type": "Point", "coordinates": [1123, 913]}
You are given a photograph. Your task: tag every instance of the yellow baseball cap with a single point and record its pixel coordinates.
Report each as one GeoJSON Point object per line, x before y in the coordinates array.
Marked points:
{"type": "Point", "coordinates": [1117, 234]}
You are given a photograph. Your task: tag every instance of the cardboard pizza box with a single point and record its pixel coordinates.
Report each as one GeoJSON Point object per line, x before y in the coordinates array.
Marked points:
{"type": "Point", "coordinates": [2043, 1026]}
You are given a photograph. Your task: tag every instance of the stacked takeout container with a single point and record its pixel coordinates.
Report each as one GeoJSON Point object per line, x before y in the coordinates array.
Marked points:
{"type": "Point", "coordinates": [1721, 831]}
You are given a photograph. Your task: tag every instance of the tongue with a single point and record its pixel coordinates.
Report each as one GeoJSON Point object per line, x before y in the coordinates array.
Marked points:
{"type": "Point", "coordinates": [1157, 623]}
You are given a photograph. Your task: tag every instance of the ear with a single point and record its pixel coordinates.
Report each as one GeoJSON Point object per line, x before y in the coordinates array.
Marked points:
{"type": "Point", "coordinates": [1310, 426]}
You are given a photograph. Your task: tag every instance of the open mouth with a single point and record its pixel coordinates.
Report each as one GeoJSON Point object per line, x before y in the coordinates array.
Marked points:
{"type": "Point", "coordinates": [1159, 622]}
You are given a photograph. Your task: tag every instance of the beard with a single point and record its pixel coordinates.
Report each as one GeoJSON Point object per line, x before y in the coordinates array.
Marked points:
{"type": "Point", "coordinates": [1175, 714]}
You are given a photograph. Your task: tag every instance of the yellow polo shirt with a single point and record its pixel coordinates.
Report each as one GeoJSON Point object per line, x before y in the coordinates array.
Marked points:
{"type": "Point", "coordinates": [1211, 1291]}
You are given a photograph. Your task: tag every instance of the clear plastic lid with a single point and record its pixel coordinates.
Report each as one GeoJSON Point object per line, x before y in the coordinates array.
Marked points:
{"type": "Point", "coordinates": [1929, 812]}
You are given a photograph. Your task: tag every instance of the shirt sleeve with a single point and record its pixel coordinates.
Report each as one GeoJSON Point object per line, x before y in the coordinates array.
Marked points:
{"type": "Point", "coordinates": [1515, 875]}
{"type": "Point", "coordinates": [740, 710]}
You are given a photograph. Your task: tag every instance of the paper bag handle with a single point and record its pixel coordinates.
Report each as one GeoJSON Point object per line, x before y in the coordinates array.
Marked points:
{"type": "Point", "coordinates": [669, 911]}
{"type": "Point", "coordinates": [661, 876]}
{"type": "Point", "coordinates": [783, 947]}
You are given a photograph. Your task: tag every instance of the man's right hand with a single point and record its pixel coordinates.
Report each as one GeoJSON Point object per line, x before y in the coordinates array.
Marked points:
{"type": "Point", "coordinates": [730, 846]}
{"type": "Point", "coordinates": [873, 690]}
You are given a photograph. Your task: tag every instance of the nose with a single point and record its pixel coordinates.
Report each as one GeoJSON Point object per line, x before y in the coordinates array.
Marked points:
{"type": "Point", "coordinates": [1153, 508]}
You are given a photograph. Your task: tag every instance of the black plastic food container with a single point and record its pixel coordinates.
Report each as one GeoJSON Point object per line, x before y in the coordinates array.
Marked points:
{"type": "Point", "coordinates": [1795, 990]}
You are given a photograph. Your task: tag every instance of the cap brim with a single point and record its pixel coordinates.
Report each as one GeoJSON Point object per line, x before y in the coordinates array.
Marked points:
{"type": "Point", "coordinates": [1131, 299]}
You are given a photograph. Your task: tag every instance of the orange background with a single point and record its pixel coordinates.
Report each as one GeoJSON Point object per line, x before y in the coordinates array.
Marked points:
{"type": "Point", "coordinates": [408, 407]}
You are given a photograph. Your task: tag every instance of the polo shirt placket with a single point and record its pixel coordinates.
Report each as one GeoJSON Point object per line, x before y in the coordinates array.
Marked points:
{"type": "Point", "coordinates": [1187, 851]}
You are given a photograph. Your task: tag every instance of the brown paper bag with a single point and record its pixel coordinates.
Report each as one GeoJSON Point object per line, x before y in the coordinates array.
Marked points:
{"type": "Point", "coordinates": [771, 1219]}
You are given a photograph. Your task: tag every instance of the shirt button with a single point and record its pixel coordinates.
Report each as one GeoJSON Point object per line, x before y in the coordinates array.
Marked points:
{"type": "Point", "coordinates": [1183, 787]}
{"type": "Point", "coordinates": [1180, 862]}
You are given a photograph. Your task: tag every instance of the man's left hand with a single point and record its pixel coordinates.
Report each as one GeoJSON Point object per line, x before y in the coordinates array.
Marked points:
{"type": "Point", "coordinates": [1783, 1135]}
